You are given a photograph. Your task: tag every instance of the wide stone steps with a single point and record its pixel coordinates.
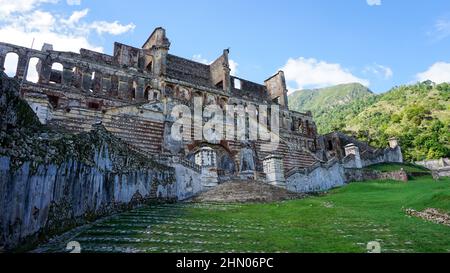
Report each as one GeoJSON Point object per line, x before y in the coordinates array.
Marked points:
{"type": "Point", "coordinates": [246, 191]}
{"type": "Point", "coordinates": [143, 134]}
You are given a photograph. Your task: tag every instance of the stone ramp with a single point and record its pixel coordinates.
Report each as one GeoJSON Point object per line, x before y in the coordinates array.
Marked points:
{"type": "Point", "coordinates": [241, 191]}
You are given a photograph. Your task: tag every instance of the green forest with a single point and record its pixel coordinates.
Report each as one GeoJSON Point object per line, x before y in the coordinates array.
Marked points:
{"type": "Point", "coordinates": [418, 115]}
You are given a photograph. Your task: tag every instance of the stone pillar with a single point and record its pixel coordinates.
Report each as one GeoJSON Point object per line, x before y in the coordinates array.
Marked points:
{"type": "Point", "coordinates": [274, 170]}
{"type": "Point", "coordinates": [22, 67]}
{"type": "Point", "coordinates": [394, 145]}
{"type": "Point", "coordinates": [67, 75]}
{"type": "Point", "coordinates": [352, 149]}
{"type": "Point", "coordinates": [86, 80]}
{"type": "Point", "coordinates": [2, 62]}
{"type": "Point", "coordinates": [206, 159]}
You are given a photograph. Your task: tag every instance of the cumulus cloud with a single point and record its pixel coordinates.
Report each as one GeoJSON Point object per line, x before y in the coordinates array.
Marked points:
{"type": "Point", "coordinates": [312, 73]}
{"type": "Point", "coordinates": [24, 20]}
{"type": "Point", "coordinates": [233, 64]}
{"type": "Point", "coordinates": [373, 2]}
{"type": "Point", "coordinates": [438, 73]}
{"type": "Point", "coordinates": [379, 70]}
{"type": "Point", "coordinates": [8, 7]}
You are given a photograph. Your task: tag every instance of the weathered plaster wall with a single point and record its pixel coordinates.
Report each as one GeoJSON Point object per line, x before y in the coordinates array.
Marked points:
{"type": "Point", "coordinates": [189, 182]}
{"type": "Point", "coordinates": [318, 178]}
{"type": "Point", "coordinates": [37, 198]}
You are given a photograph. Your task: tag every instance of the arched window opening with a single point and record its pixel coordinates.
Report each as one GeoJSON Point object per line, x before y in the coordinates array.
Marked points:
{"type": "Point", "coordinates": [150, 66]}
{"type": "Point", "coordinates": [133, 90]}
{"type": "Point", "coordinates": [147, 93]}
{"type": "Point", "coordinates": [11, 61]}
{"type": "Point", "coordinates": [32, 73]}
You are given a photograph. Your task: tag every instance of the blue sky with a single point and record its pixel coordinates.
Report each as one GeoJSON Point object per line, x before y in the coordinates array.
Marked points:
{"type": "Point", "coordinates": [380, 43]}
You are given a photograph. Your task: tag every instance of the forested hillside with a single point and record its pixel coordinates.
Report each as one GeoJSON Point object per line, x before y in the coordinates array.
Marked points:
{"type": "Point", "coordinates": [419, 115]}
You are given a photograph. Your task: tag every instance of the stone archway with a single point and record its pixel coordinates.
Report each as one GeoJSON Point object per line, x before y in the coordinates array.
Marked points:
{"type": "Point", "coordinates": [225, 162]}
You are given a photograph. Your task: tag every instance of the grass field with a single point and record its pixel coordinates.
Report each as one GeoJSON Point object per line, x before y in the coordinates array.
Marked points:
{"type": "Point", "coordinates": [343, 220]}
{"type": "Point", "coordinates": [388, 167]}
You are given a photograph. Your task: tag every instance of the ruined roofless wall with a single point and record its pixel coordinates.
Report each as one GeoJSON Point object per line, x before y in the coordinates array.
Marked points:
{"type": "Point", "coordinates": [95, 86]}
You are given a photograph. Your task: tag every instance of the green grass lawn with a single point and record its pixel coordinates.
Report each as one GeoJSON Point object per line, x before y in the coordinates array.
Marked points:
{"type": "Point", "coordinates": [343, 220]}
{"type": "Point", "coordinates": [389, 167]}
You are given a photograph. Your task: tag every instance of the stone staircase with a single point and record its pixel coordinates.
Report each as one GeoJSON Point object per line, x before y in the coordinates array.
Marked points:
{"type": "Point", "coordinates": [241, 191]}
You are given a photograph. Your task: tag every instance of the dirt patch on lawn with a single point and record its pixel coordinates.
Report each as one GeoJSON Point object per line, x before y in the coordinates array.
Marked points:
{"type": "Point", "coordinates": [432, 215]}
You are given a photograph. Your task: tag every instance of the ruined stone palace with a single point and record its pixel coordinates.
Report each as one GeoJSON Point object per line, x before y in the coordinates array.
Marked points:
{"type": "Point", "coordinates": [133, 92]}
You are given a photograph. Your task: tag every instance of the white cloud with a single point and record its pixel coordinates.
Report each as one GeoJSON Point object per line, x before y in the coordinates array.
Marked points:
{"type": "Point", "coordinates": [311, 73]}
{"type": "Point", "coordinates": [114, 28]}
{"type": "Point", "coordinates": [233, 64]}
{"type": "Point", "coordinates": [441, 30]}
{"type": "Point", "coordinates": [198, 58]}
{"type": "Point", "coordinates": [373, 2]}
{"type": "Point", "coordinates": [76, 17]}
{"type": "Point", "coordinates": [8, 7]}
{"type": "Point", "coordinates": [438, 73]}
{"type": "Point", "coordinates": [24, 20]}
{"type": "Point", "coordinates": [233, 67]}
{"type": "Point", "coordinates": [379, 70]}
{"type": "Point", "coordinates": [73, 2]}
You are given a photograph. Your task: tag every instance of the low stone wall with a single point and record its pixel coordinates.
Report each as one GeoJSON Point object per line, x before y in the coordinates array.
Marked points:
{"type": "Point", "coordinates": [441, 172]}
{"type": "Point", "coordinates": [434, 164]}
{"type": "Point", "coordinates": [357, 175]}
{"type": "Point", "coordinates": [388, 155]}
{"type": "Point", "coordinates": [189, 181]}
{"type": "Point", "coordinates": [320, 177]}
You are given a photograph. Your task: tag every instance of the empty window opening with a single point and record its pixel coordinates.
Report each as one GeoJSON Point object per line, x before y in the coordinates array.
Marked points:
{"type": "Point", "coordinates": [93, 105]}
{"type": "Point", "coordinates": [133, 90]}
{"type": "Point", "coordinates": [53, 100]}
{"type": "Point", "coordinates": [92, 82]}
{"type": "Point", "coordinates": [276, 100]}
{"type": "Point", "coordinates": [147, 93]}
{"type": "Point", "coordinates": [330, 145]}
{"type": "Point", "coordinates": [237, 83]}
{"type": "Point", "coordinates": [219, 85]}
{"type": "Point", "coordinates": [150, 66]}
{"type": "Point", "coordinates": [11, 61]}
{"type": "Point", "coordinates": [155, 95]}
{"type": "Point", "coordinates": [32, 73]}
{"type": "Point", "coordinates": [56, 75]}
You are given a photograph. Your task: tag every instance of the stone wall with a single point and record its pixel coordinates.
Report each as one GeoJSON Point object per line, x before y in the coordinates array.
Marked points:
{"type": "Point", "coordinates": [357, 175]}
{"type": "Point", "coordinates": [189, 182]}
{"type": "Point", "coordinates": [434, 164]}
{"type": "Point", "coordinates": [319, 177]}
{"type": "Point", "coordinates": [48, 198]}
{"type": "Point", "coordinates": [51, 180]}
